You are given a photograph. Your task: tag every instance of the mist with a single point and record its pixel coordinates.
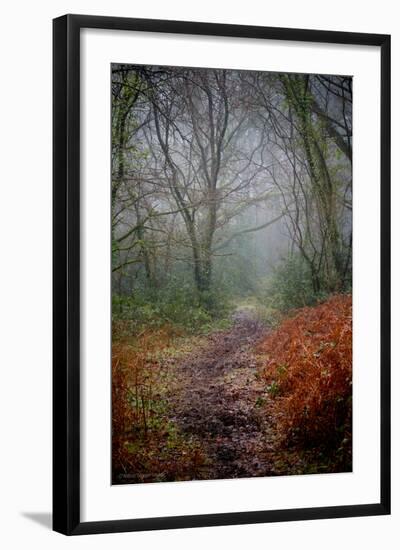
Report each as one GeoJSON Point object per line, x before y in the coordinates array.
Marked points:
{"type": "Point", "coordinates": [224, 179]}
{"type": "Point", "coordinates": [232, 273]}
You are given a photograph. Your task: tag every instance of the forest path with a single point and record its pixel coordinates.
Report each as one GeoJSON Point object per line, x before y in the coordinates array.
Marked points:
{"type": "Point", "coordinates": [216, 401]}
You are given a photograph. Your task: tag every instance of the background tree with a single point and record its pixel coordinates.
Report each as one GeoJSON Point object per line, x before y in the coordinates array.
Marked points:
{"type": "Point", "coordinates": [222, 177]}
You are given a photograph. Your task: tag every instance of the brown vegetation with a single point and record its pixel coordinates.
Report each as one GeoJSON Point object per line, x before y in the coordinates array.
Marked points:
{"type": "Point", "coordinates": [307, 364]}
{"type": "Point", "coordinates": [146, 447]}
{"type": "Point", "coordinates": [222, 405]}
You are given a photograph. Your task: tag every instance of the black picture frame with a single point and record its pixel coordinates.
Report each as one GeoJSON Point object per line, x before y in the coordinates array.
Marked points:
{"type": "Point", "coordinates": [66, 273]}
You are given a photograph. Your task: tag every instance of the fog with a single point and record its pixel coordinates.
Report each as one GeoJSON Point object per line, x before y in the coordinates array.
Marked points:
{"type": "Point", "coordinates": [228, 186]}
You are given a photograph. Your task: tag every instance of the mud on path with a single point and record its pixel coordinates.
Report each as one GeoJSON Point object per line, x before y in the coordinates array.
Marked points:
{"type": "Point", "coordinates": [216, 401]}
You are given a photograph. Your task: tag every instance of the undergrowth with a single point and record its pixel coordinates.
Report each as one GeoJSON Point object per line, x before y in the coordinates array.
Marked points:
{"type": "Point", "coordinates": [307, 367]}
{"type": "Point", "coordinates": [147, 447]}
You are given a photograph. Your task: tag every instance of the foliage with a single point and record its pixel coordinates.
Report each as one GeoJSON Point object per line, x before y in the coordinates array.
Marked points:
{"type": "Point", "coordinates": [290, 285]}
{"type": "Point", "coordinates": [307, 366]}
{"type": "Point", "coordinates": [146, 446]}
{"type": "Point", "coordinates": [178, 305]}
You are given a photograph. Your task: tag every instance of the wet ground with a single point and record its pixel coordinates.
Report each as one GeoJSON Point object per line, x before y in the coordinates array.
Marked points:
{"type": "Point", "coordinates": [217, 400]}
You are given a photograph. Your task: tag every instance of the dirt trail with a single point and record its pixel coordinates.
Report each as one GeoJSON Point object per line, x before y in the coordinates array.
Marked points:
{"type": "Point", "coordinates": [216, 401]}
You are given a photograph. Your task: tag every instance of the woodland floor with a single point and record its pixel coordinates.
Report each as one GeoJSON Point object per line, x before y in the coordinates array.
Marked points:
{"type": "Point", "coordinates": [216, 401]}
{"type": "Point", "coordinates": [211, 416]}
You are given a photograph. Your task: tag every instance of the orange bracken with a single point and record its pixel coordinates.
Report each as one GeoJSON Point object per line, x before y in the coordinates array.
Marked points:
{"type": "Point", "coordinates": [307, 365]}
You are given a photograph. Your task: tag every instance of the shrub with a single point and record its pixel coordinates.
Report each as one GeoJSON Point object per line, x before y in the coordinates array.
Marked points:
{"type": "Point", "coordinates": [290, 285]}
{"type": "Point", "coordinates": [178, 305]}
{"type": "Point", "coordinates": [307, 364]}
{"type": "Point", "coordinates": [132, 388]}
{"type": "Point", "coordinates": [146, 446]}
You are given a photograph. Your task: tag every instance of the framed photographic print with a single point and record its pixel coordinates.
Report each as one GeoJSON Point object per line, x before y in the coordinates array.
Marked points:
{"type": "Point", "coordinates": [221, 274]}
